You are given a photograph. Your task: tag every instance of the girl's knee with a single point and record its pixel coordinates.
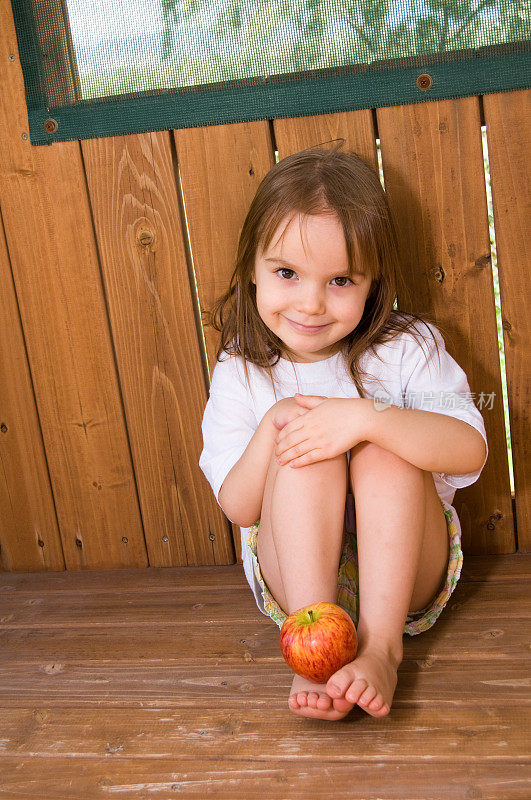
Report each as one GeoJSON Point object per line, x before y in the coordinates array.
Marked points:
{"type": "Point", "coordinates": [369, 451]}
{"type": "Point", "coordinates": [336, 467]}
{"type": "Point", "coordinates": [368, 456]}
{"type": "Point", "coordinates": [337, 464]}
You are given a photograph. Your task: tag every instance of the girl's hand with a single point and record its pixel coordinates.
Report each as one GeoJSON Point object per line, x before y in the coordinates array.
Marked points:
{"type": "Point", "coordinates": [286, 410]}
{"type": "Point", "coordinates": [329, 427]}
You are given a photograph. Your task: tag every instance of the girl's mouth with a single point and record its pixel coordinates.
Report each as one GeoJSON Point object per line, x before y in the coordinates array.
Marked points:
{"type": "Point", "coordinates": [305, 328]}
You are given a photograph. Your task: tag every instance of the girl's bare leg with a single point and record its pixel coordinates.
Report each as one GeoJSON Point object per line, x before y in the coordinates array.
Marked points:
{"type": "Point", "coordinates": [301, 531]}
{"type": "Point", "coordinates": [299, 547]}
{"type": "Point", "coordinates": [403, 555]}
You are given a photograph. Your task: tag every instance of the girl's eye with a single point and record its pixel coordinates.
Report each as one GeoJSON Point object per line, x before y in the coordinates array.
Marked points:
{"type": "Point", "coordinates": [339, 277]}
{"type": "Point", "coordinates": [342, 278]}
{"type": "Point", "coordinates": [284, 269]}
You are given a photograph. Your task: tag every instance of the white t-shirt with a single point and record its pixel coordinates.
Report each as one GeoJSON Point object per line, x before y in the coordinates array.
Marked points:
{"type": "Point", "coordinates": [232, 413]}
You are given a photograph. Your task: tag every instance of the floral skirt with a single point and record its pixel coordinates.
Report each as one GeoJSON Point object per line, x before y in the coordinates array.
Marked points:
{"type": "Point", "coordinates": [348, 579]}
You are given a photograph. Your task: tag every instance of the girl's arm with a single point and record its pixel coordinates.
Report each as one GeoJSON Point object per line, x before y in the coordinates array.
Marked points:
{"type": "Point", "coordinates": [242, 491]}
{"type": "Point", "coordinates": [433, 442]}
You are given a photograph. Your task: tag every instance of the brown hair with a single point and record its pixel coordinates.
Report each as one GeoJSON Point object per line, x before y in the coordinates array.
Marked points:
{"type": "Point", "coordinates": [317, 181]}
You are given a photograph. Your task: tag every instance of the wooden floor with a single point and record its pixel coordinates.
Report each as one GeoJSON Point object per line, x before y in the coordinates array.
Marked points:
{"type": "Point", "coordinates": [165, 683]}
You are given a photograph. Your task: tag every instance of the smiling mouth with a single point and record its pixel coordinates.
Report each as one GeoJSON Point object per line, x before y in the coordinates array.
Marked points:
{"type": "Point", "coordinates": [305, 328]}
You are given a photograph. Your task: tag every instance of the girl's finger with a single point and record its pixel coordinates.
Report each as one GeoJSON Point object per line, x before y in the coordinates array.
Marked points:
{"type": "Point", "coordinates": [286, 455]}
{"type": "Point", "coordinates": [283, 438]}
{"type": "Point", "coordinates": [308, 458]}
{"type": "Point", "coordinates": [306, 401]}
{"type": "Point", "coordinates": [289, 454]}
{"type": "Point", "coordinates": [296, 452]}
{"type": "Point", "coordinates": [311, 398]}
{"type": "Point", "coordinates": [290, 444]}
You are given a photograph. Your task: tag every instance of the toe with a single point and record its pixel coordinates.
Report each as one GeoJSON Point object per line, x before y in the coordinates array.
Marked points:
{"type": "Point", "coordinates": [339, 682]}
{"type": "Point", "coordinates": [324, 702]}
{"type": "Point", "coordinates": [382, 711]}
{"type": "Point", "coordinates": [357, 688]}
{"type": "Point", "coordinates": [340, 704]}
{"type": "Point", "coordinates": [367, 696]}
{"type": "Point", "coordinates": [292, 701]}
{"type": "Point", "coordinates": [313, 697]}
{"type": "Point", "coordinates": [376, 703]}
{"type": "Point", "coordinates": [302, 699]}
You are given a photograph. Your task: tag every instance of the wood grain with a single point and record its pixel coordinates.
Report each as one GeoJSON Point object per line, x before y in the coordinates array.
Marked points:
{"type": "Point", "coordinates": [484, 619]}
{"type": "Point", "coordinates": [278, 778]}
{"type": "Point", "coordinates": [251, 640]}
{"type": "Point", "coordinates": [181, 609]}
{"type": "Point", "coordinates": [136, 691]}
{"type": "Point", "coordinates": [326, 130]}
{"type": "Point", "coordinates": [131, 692]}
{"type": "Point", "coordinates": [434, 178]}
{"type": "Point", "coordinates": [508, 119]}
{"type": "Point", "coordinates": [473, 733]}
{"type": "Point", "coordinates": [133, 195]}
{"type": "Point", "coordinates": [100, 326]}
{"type": "Point", "coordinates": [422, 683]}
{"type": "Point", "coordinates": [58, 285]}
{"type": "Point", "coordinates": [220, 169]}
{"type": "Point", "coordinates": [29, 534]}
{"type": "Point", "coordinates": [203, 580]}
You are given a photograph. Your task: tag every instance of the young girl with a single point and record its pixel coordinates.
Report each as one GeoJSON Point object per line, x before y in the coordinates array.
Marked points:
{"type": "Point", "coordinates": [337, 429]}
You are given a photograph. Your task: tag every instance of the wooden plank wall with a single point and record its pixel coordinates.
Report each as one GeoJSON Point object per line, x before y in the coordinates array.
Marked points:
{"type": "Point", "coordinates": [111, 247]}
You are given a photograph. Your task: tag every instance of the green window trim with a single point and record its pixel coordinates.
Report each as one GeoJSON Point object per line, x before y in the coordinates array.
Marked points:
{"type": "Point", "coordinates": [56, 112]}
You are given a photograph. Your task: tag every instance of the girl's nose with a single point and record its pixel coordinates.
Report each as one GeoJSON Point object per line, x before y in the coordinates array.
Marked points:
{"type": "Point", "coordinates": [310, 300]}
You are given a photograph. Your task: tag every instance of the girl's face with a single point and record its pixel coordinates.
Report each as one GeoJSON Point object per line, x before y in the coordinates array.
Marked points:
{"type": "Point", "coordinates": [303, 292]}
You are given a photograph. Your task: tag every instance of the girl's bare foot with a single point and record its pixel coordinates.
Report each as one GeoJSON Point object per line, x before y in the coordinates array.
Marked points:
{"type": "Point", "coordinates": [311, 700]}
{"type": "Point", "coordinates": [370, 681]}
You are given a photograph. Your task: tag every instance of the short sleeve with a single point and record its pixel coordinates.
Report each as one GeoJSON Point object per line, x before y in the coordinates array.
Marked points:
{"type": "Point", "coordinates": [228, 423]}
{"type": "Point", "coordinates": [439, 384]}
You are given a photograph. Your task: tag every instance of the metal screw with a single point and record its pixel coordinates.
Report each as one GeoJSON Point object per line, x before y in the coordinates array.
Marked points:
{"type": "Point", "coordinates": [211, 537]}
{"type": "Point", "coordinates": [125, 539]}
{"type": "Point", "coordinates": [3, 427]}
{"type": "Point", "coordinates": [51, 125]}
{"type": "Point", "coordinates": [79, 543]}
{"type": "Point", "coordinates": [424, 81]}
{"type": "Point", "coordinates": [492, 519]}
{"type": "Point", "coordinates": [40, 543]}
{"type": "Point", "coordinates": [24, 136]}
{"type": "Point", "coordinates": [165, 539]}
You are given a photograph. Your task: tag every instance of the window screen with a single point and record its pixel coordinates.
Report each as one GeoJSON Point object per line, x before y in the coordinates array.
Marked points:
{"type": "Point", "coordinates": [107, 67]}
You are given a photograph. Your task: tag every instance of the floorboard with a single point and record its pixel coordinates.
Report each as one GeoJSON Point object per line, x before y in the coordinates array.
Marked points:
{"type": "Point", "coordinates": [165, 683]}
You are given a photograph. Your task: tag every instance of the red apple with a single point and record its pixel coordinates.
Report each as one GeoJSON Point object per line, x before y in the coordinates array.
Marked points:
{"type": "Point", "coordinates": [317, 640]}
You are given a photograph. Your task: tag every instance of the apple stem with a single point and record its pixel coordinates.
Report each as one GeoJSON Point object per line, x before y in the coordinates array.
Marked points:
{"type": "Point", "coordinates": [310, 612]}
